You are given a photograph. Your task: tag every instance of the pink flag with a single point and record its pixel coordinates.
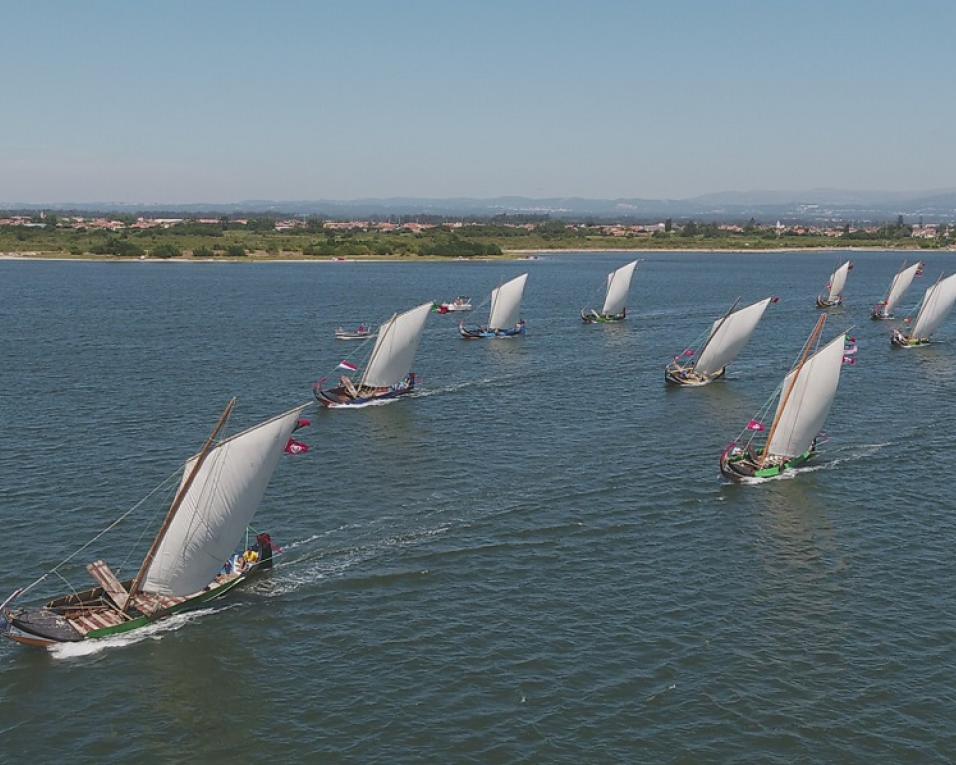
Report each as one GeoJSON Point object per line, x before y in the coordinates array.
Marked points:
{"type": "Point", "coordinates": [347, 365]}
{"type": "Point", "coordinates": [296, 447]}
{"type": "Point", "coordinates": [850, 351]}
{"type": "Point", "coordinates": [689, 352]}
{"type": "Point", "coordinates": [301, 423]}
{"type": "Point", "coordinates": [755, 426]}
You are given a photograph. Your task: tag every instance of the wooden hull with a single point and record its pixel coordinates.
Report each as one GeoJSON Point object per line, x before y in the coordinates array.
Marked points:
{"type": "Point", "coordinates": [340, 397]}
{"type": "Point", "coordinates": [899, 340]}
{"type": "Point", "coordinates": [593, 317]}
{"type": "Point", "coordinates": [738, 467]}
{"type": "Point", "coordinates": [45, 626]}
{"type": "Point", "coordinates": [690, 379]}
{"type": "Point", "coordinates": [478, 333]}
{"type": "Point", "coordinates": [824, 303]}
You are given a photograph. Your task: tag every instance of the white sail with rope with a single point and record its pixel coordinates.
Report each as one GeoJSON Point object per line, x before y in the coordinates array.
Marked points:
{"type": "Point", "coordinates": [728, 336]}
{"type": "Point", "coordinates": [395, 348]}
{"type": "Point", "coordinates": [217, 507]}
{"type": "Point", "coordinates": [901, 282]}
{"type": "Point", "coordinates": [838, 281]}
{"type": "Point", "coordinates": [800, 416]}
{"type": "Point", "coordinates": [937, 303]}
{"type": "Point", "coordinates": [618, 286]}
{"type": "Point", "coordinates": [506, 304]}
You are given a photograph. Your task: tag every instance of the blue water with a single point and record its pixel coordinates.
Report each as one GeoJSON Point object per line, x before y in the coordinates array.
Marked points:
{"type": "Point", "coordinates": [532, 559]}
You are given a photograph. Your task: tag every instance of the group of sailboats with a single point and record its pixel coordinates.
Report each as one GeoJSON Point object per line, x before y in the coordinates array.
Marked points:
{"type": "Point", "coordinates": [221, 487]}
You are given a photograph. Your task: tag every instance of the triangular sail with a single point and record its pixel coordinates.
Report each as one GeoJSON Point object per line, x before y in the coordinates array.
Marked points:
{"type": "Point", "coordinates": [838, 281]}
{"type": "Point", "coordinates": [901, 282]}
{"type": "Point", "coordinates": [806, 409]}
{"type": "Point", "coordinates": [395, 348]}
{"type": "Point", "coordinates": [618, 285]}
{"type": "Point", "coordinates": [220, 503]}
{"type": "Point", "coordinates": [937, 303]}
{"type": "Point", "coordinates": [506, 304]}
{"type": "Point", "coordinates": [728, 336]}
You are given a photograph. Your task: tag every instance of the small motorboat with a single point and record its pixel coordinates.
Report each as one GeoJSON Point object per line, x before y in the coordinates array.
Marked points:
{"type": "Point", "coordinates": [362, 332]}
{"type": "Point", "coordinates": [460, 303]}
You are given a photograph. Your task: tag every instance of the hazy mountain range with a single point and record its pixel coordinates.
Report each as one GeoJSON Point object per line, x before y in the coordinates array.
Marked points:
{"type": "Point", "coordinates": [814, 204]}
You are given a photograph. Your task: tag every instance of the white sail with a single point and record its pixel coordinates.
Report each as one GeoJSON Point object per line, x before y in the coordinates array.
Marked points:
{"type": "Point", "coordinates": [506, 304]}
{"type": "Point", "coordinates": [618, 285]}
{"type": "Point", "coordinates": [728, 336]}
{"type": "Point", "coordinates": [937, 303]}
{"type": "Point", "coordinates": [220, 503]}
{"type": "Point", "coordinates": [395, 348]}
{"type": "Point", "coordinates": [809, 403]}
{"type": "Point", "coordinates": [838, 281]}
{"type": "Point", "coordinates": [901, 282]}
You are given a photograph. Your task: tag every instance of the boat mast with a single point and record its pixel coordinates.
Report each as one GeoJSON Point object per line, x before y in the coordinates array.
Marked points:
{"type": "Point", "coordinates": [716, 330]}
{"type": "Point", "coordinates": [811, 344]}
{"type": "Point", "coordinates": [174, 508]}
{"type": "Point", "coordinates": [375, 351]}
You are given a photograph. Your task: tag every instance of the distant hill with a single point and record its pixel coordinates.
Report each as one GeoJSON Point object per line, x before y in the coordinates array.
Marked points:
{"type": "Point", "coordinates": [813, 204]}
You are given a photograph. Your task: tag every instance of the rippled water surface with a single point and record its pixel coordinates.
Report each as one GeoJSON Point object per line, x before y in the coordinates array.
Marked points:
{"type": "Point", "coordinates": [533, 559]}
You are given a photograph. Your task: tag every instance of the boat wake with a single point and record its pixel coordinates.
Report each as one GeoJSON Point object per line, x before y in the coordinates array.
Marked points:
{"type": "Point", "coordinates": [453, 388]}
{"type": "Point", "coordinates": [859, 453]}
{"type": "Point", "coordinates": [330, 564]}
{"type": "Point", "coordinates": [152, 632]}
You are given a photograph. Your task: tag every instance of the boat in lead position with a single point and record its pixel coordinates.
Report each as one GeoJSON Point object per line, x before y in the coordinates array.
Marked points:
{"type": "Point", "coordinates": [834, 293]}
{"type": "Point", "coordinates": [388, 372]}
{"type": "Point", "coordinates": [504, 318]}
{"type": "Point", "coordinates": [901, 282]}
{"type": "Point", "coordinates": [805, 398]}
{"type": "Point", "coordinates": [937, 303]}
{"type": "Point", "coordinates": [726, 338]}
{"type": "Point", "coordinates": [219, 492]}
{"type": "Point", "coordinates": [615, 299]}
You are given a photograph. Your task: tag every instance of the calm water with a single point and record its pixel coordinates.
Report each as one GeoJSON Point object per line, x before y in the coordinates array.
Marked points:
{"type": "Point", "coordinates": [534, 559]}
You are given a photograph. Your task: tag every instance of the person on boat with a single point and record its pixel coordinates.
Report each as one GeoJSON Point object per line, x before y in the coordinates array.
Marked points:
{"type": "Point", "coordinates": [264, 543]}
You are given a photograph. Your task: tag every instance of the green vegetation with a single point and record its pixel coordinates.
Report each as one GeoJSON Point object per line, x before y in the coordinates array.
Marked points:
{"type": "Point", "coordinates": [312, 239]}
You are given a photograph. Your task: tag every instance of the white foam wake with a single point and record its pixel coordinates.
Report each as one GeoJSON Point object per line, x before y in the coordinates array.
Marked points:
{"type": "Point", "coordinates": [154, 631]}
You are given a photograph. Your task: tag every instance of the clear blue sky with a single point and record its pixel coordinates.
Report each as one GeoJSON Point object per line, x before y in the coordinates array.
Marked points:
{"type": "Point", "coordinates": [223, 101]}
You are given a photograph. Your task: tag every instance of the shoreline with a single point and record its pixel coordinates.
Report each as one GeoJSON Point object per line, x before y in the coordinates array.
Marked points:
{"type": "Point", "coordinates": [509, 255]}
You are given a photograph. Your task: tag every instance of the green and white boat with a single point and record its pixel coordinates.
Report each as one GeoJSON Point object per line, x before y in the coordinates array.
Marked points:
{"type": "Point", "coordinates": [615, 298]}
{"type": "Point", "coordinates": [725, 340]}
{"type": "Point", "coordinates": [805, 398]}
{"type": "Point", "coordinates": [937, 303]}
{"type": "Point", "coordinates": [218, 495]}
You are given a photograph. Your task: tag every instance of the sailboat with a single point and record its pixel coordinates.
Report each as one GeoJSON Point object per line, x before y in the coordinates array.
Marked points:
{"type": "Point", "coordinates": [805, 397]}
{"type": "Point", "coordinates": [726, 338]}
{"type": "Point", "coordinates": [901, 282]}
{"type": "Point", "coordinates": [614, 309]}
{"type": "Point", "coordinates": [504, 318]}
{"type": "Point", "coordinates": [834, 293]}
{"type": "Point", "coordinates": [388, 372]}
{"type": "Point", "coordinates": [218, 495]}
{"type": "Point", "coordinates": [937, 303]}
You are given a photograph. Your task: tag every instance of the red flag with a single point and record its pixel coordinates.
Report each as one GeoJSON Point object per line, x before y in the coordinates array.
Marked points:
{"type": "Point", "coordinates": [295, 447]}
{"type": "Point", "coordinates": [775, 299]}
{"type": "Point", "coordinates": [347, 365]}
{"type": "Point", "coordinates": [849, 360]}
{"type": "Point", "coordinates": [689, 352]}
{"type": "Point", "coordinates": [755, 426]}
{"type": "Point", "coordinates": [301, 423]}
